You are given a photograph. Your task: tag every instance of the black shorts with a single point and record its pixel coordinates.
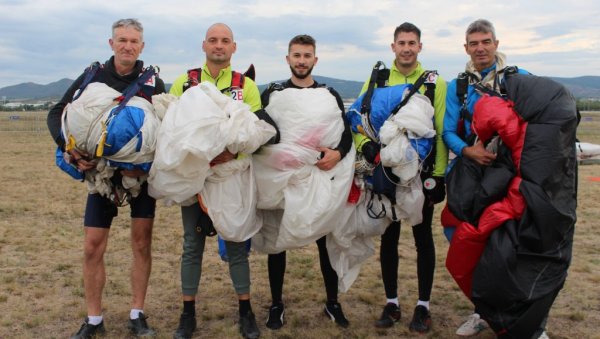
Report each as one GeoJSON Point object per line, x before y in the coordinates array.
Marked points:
{"type": "Point", "coordinates": [100, 211]}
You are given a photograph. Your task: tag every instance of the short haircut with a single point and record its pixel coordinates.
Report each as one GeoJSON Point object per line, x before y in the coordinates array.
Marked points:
{"type": "Point", "coordinates": [407, 27]}
{"type": "Point", "coordinates": [303, 39]}
{"type": "Point", "coordinates": [481, 26]}
{"type": "Point", "coordinates": [134, 23]}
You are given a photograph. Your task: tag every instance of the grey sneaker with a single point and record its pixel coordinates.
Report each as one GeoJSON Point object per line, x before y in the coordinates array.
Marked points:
{"type": "Point", "coordinates": [472, 326]}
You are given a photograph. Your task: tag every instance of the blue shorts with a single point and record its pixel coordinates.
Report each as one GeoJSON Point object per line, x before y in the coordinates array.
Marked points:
{"type": "Point", "coordinates": [100, 211]}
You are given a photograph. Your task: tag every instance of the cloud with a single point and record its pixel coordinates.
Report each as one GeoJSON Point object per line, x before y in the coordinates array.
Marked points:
{"type": "Point", "coordinates": [43, 41]}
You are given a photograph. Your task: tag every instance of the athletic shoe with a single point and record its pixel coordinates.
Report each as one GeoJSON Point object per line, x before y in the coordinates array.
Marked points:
{"type": "Point", "coordinates": [421, 320]}
{"type": "Point", "coordinates": [334, 311]}
{"type": "Point", "coordinates": [139, 327]}
{"type": "Point", "coordinates": [187, 326]}
{"type": "Point", "coordinates": [275, 319]}
{"type": "Point", "coordinates": [391, 314]}
{"type": "Point", "coordinates": [88, 330]}
{"type": "Point", "coordinates": [472, 326]}
{"type": "Point", "coordinates": [248, 326]}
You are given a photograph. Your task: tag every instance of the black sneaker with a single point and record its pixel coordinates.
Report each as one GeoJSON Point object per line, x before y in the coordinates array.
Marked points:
{"type": "Point", "coordinates": [89, 331]}
{"type": "Point", "coordinates": [275, 319]}
{"type": "Point", "coordinates": [421, 320]}
{"type": "Point", "coordinates": [139, 327]}
{"type": "Point", "coordinates": [187, 326]}
{"type": "Point", "coordinates": [334, 311]}
{"type": "Point", "coordinates": [248, 326]}
{"type": "Point", "coordinates": [391, 314]}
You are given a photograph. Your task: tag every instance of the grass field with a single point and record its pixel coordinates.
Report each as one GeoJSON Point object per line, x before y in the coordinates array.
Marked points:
{"type": "Point", "coordinates": [41, 289]}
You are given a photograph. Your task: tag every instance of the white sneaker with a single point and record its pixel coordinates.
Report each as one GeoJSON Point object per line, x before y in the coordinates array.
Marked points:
{"type": "Point", "coordinates": [544, 336]}
{"type": "Point", "coordinates": [472, 326]}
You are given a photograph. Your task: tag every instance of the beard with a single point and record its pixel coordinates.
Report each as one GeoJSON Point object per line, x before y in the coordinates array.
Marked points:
{"type": "Point", "coordinates": [300, 75]}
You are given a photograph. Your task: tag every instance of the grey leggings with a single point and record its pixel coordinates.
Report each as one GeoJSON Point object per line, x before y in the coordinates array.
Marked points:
{"type": "Point", "coordinates": [193, 249]}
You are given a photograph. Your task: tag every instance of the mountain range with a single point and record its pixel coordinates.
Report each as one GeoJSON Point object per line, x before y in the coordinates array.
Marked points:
{"type": "Point", "coordinates": [582, 87]}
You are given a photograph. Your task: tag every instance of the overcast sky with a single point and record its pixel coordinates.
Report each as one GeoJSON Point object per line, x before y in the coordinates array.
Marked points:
{"type": "Point", "coordinates": [43, 41]}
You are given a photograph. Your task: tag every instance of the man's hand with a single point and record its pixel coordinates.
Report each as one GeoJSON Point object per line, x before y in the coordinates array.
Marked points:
{"type": "Point", "coordinates": [80, 161]}
{"type": "Point", "coordinates": [479, 154]}
{"type": "Point", "coordinates": [225, 156]}
{"type": "Point", "coordinates": [329, 160]}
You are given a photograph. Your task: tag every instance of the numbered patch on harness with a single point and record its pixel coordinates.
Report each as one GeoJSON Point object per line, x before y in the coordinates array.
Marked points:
{"type": "Point", "coordinates": [237, 94]}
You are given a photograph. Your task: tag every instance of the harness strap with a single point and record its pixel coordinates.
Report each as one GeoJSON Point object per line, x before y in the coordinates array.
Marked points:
{"type": "Point", "coordinates": [90, 72]}
{"type": "Point", "coordinates": [412, 91]}
{"type": "Point", "coordinates": [237, 79]}
{"type": "Point", "coordinates": [365, 107]}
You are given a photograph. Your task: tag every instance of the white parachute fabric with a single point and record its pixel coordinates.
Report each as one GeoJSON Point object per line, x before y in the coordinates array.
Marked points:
{"type": "Point", "coordinates": [230, 196]}
{"type": "Point", "coordinates": [586, 150]}
{"type": "Point", "coordinates": [286, 175]}
{"type": "Point", "coordinates": [351, 245]}
{"type": "Point", "coordinates": [413, 121]}
{"type": "Point", "coordinates": [84, 121]}
{"type": "Point", "coordinates": [84, 117]}
{"type": "Point", "coordinates": [195, 129]}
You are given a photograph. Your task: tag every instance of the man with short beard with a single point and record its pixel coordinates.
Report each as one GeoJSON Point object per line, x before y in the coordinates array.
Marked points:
{"type": "Point", "coordinates": [302, 58]}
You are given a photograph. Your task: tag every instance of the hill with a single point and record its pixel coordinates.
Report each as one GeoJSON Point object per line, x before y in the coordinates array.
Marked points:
{"type": "Point", "coordinates": [581, 87]}
{"type": "Point", "coordinates": [30, 90]}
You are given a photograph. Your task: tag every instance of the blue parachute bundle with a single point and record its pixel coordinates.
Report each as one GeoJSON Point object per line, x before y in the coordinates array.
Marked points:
{"type": "Point", "coordinates": [383, 102]}
{"type": "Point", "coordinates": [124, 125]}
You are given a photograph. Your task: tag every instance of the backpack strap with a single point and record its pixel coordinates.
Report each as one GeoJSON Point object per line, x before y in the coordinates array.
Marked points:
{"type": "Point", "coordinates": [193, 79]}
{"type": "Point", "coordinates": [135, 87]}
{"type": "Point", "coordinates": [251, 72]}
{"type": "Point", "coordinates": [365, 107]}
{"type": "Point", "coordinates": [237, 81]}
{"type": "Point", "coordinates": [415, 87]}
{"type": "Point", "coordinates": [266, 94]}
{"type": "Point", "coordinates": [90, 72]}
{"type": "Point", "coordinates": [431, 78]}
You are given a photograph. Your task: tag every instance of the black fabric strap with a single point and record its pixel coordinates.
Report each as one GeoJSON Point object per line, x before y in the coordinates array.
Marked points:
{"type": "Point", "coordinates": [412, 91]}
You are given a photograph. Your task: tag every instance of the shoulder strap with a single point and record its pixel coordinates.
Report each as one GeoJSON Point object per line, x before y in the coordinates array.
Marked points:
{"type": "Point", "coordinates": [365, 107]}
{"type": "Point", "coordinates": [266, 94]}
{"type": "Point", "coordinates": [193, 79]}
{"type": "Point", "coordinates": [134, 88]}
{"type": "Point", "coordinates": [237, 80]}
{"type": "Point", "coordinates": [90, 72]}
{"type": "Point", "coordinates": [251, 72]}
{"type": "Point", "coordinates": [415, 87]}
{"type": "Point", "coordinates": [431, 78]}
